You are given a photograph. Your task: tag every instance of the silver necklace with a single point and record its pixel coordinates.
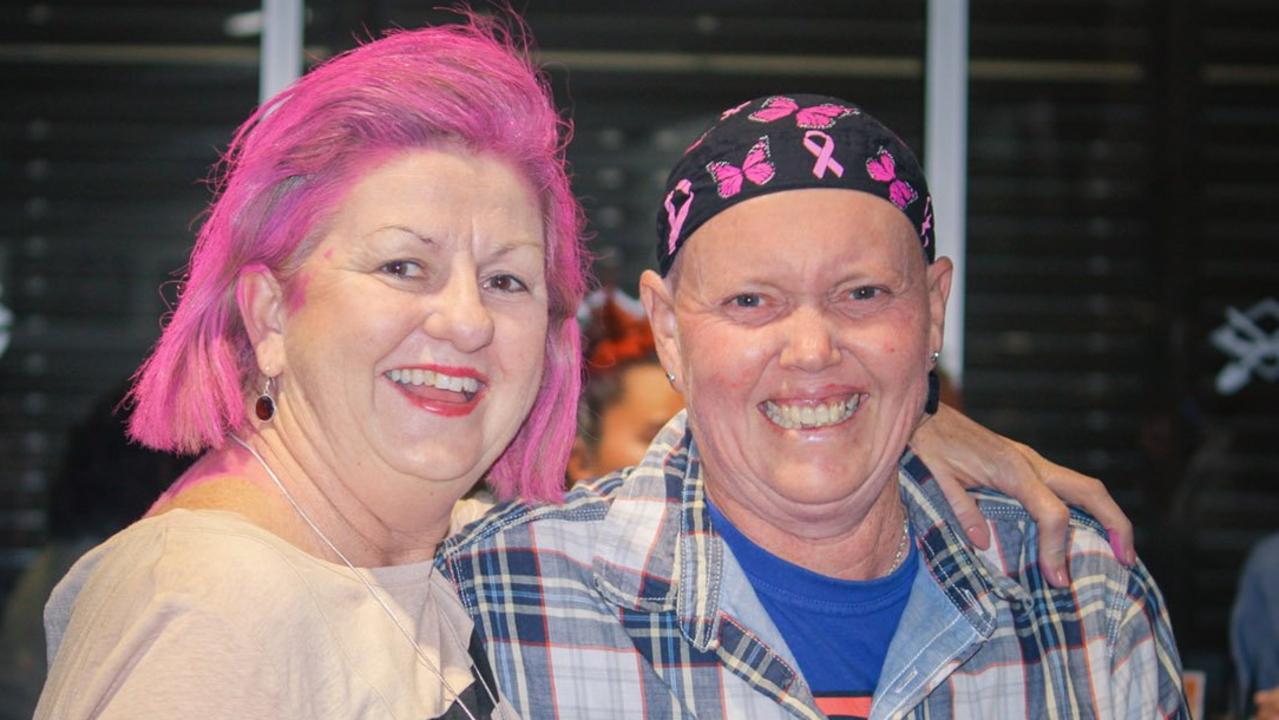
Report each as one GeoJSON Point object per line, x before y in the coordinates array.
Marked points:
{"type": "Point", "coordinates": [417, 649]}
{"type": "Point", "coordinates": [901, 546]}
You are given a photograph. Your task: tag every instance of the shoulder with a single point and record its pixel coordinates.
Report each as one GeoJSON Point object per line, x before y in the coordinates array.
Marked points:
{"type": "Point", "coordinates": [1102, 588]}
{"type": "Point", "coordinates": [1264, 556]}
{"type": "Point", "coordinates": [180, 598]}
{"type": "Point", "coordinates": [521, 545]}
{"type": "Point", "coordinates": [1014, 552]}
{"type": "Point", "coordinates": [178, 563]}
{"type": "Point", "coordinates": [584, 506]}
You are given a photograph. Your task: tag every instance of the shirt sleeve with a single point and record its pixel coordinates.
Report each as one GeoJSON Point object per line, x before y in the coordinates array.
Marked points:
{"type": "Point", "coordinates": [170, 663]}
{"type": "Point", "coordinates": [143, 634]}
{"type": "Point", "coordinates": [1145, 667]}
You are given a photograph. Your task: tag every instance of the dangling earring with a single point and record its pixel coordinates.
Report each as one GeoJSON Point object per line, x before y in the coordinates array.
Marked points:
{"type": "Point", "coordinates": [934, 393]}
{"type": "Point", "coordinates": [934, 386]}
{"type": "Point", "coordinates": [264, 408]}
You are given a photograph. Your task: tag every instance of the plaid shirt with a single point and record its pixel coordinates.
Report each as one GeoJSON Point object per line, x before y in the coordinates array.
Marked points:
{"type": "Point", "coordinates": [623, 602]}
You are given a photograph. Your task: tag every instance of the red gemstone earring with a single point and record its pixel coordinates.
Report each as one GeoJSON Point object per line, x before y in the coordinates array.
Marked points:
{"type": "Point", "coordinates": [265, 406]}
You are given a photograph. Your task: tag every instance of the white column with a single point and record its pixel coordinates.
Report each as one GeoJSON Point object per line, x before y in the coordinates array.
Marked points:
{"type": "Point", "coordinates": [946, 150]}
{"type": "Point", "coordinates": [281, 46]}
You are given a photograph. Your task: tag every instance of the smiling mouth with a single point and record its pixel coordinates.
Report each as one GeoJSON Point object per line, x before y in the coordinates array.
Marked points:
{"type": "Point", "coordinates": [809, 416]}
{"type": "Point", "coordinates": [467, 387]}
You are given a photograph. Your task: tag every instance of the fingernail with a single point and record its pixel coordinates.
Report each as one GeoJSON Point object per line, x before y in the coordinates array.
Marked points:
{"type": "Point", "coordinates": [1122, 554]}
{"type": "Point", "coordinates": [1062, 578]}
{"type": "Point", "coordinates": [972, 531]}
{"type": "Point", "coordinates": [1115, 547]}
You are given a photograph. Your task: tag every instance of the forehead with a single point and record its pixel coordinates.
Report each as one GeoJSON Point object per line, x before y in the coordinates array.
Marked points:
{"type": "Point", "coordinates": [810, 231]}
{"type": "Point", "coordinates": [447, 189]}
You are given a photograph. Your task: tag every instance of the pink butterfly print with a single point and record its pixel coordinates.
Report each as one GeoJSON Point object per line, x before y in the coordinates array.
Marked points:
{"type": "Point", "coordinates": [757, 167]}
{"type": "Point", "coordinates": [817, 117]}
{"type": "Point", "coordinates": [883, 168]}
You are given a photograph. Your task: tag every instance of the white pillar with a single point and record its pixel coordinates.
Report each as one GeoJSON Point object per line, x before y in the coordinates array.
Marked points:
{"type": "Point", "coordinates": [281, 46]}
{"type": "Point", "coordinates": [946, 150]}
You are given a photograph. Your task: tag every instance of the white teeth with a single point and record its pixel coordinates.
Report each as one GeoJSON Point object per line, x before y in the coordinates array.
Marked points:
{"type": "Point", "coordinates": [811, 416]}
{"type": "Point", "coordinates": [417, 376]}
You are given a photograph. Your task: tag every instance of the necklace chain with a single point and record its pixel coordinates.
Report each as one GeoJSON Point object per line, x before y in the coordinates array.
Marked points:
{"type": "Point", "coordinates": [901, 546]}
{"type": "Point", "coordinates": [417, 649]}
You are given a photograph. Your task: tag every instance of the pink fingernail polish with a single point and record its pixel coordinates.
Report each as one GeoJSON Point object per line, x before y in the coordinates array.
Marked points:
{"type": "Point", "coordinates": [1117, 548]}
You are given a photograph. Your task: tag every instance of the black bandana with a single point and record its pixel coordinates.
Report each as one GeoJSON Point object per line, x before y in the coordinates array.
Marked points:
{"type": "Point", "coordinates": [789, 142]}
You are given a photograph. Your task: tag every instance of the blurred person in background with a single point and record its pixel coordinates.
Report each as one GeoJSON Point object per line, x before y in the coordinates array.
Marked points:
{"type": "Point", "coordinates": [1254, 634]}
{"type": "Point", "coordinates": [626, 398]}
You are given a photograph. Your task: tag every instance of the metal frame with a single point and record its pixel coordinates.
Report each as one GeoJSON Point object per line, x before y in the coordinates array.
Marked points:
{"type": "Point", "coordinates": [946, 157]}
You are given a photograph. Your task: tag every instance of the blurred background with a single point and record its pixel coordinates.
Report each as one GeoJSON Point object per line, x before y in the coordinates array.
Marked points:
{"type": "Point", "coordinates": [1121, 311]}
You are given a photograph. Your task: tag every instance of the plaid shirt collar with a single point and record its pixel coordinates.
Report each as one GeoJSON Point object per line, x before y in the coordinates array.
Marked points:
{"type": "Point", "coordinates": [661, 509]}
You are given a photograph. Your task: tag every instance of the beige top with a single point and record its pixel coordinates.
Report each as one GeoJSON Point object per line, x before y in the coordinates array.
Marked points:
{"type": "Point", "coordinates": [203, 614]}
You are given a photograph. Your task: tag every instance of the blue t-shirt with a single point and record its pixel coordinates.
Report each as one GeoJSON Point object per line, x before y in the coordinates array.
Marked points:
{"type": "Point", "coordinates": [838, 630]}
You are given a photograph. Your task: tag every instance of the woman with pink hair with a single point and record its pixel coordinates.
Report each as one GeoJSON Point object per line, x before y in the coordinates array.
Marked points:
{"type": "Point", "coordinates": [378, 314]}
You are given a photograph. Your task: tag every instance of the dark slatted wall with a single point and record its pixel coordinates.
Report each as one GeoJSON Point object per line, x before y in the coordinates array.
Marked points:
{"type": "Point", "coordinates": [1122, 157]}
{"type": "Point", "coordinates": [113, 112]}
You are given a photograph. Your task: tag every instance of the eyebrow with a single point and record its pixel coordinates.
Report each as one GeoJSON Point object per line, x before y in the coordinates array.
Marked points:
{"type": "Point", "coordinates": [424, 238]}
{"type": "Point", "coordinates": [508, 248]}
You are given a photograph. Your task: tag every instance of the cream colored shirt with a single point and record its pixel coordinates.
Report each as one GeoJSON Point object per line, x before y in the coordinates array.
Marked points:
{"type": "Point", "coordinates": [202, 614]}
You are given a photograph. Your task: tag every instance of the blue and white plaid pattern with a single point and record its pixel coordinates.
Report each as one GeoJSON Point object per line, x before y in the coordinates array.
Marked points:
{"type": "Point", "coordinates": [623, 603]}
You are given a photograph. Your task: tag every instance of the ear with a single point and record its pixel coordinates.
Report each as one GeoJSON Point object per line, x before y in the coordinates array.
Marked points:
{"type": "Point", "coordinates": [261, 301]}
{"type": "Point", "coordinates": [659, 305]}
{"type": "Point", "coordinates": [940, 274]}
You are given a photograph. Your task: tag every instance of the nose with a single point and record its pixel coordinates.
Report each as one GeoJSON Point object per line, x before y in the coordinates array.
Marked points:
{"type": "Point", "coordinates": [809, 345]}
{"type": "Point", "coordinates": [458, 314]}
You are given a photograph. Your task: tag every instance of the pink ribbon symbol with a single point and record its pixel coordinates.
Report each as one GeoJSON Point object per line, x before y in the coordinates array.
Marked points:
{"type": "Point", "coordinates": [675, 217]}
{"type": "Point", "coordinates": [823, 152]}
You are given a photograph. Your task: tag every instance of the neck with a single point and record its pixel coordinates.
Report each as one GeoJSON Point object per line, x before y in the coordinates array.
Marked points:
{"type": "Point", "coordinates": [374, 522]}
{"type": "Point", "coordinates": [373, 518]}
{"type": "Point", "coordinates": [853, 546]}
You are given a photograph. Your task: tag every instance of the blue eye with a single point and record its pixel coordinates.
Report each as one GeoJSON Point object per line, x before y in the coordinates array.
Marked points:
{"type": "Point", "coordinates": [865, 293]}
{"type": "Point", "coordinates": [748, 300]}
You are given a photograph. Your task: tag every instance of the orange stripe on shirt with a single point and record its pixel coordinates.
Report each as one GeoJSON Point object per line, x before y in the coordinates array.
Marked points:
{"type": "Point", "coordinates": [846, 706]}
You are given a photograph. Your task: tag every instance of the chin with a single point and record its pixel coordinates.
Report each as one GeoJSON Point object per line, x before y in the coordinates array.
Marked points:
{"type": "Point", "coordinates": [433, 465]}
{"type": "Point", "coordinates": [810, 485]}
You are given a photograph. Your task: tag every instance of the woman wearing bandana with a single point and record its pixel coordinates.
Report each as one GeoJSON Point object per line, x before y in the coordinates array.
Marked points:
{"type": "Point", "coordinates": [781, 551]}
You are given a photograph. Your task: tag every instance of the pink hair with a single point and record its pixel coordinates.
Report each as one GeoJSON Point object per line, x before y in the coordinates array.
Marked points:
{"type": "Point", "coordinates": [292, 161]}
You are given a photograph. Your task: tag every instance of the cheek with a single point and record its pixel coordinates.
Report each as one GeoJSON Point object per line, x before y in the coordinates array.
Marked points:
{"type": "Point", "coordinates": [731, 364]}
{"type": "Point", "coordinates": [522, 351]}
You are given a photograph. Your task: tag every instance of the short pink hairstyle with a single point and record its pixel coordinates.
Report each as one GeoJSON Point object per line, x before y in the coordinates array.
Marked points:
{"type": "Point", "coordinates": [291, 163]}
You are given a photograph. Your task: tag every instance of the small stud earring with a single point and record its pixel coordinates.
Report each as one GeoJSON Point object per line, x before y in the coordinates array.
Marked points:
{"type": "Point", "coordinates": [264, 408]}
{"type": "Point", "coordinates": [935, 357]}
{"type": "Point", "coordinates": [670, 378]}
